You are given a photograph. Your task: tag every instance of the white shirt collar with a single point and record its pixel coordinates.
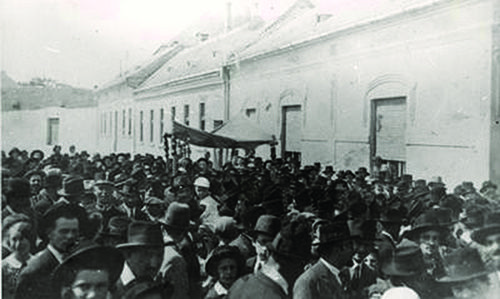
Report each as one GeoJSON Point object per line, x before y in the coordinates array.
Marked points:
{"type": "Point", "coordinates": [389, 236]}
{"type": "Point", "coordinates": [220, 289]}
{"type": "Point", "coordinates": [13, 262]}
{"type": "Point", "coordinates": [59, 256]}
{"type": "Point", "coordinates": [127, 275]}
{"type": "Point", "coordinates": [332, 268]}
{"type": "Point", "coordinates": [275, 276]}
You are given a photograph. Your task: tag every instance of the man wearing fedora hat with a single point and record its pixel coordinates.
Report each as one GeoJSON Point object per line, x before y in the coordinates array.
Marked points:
{"type": "Point", "coordinates": [128, 194]}
{"type": "Point", "coordinates": [489, 191]}
{"type": "Point", "coordinates": [143, 254]}
{"type": "Point", "coordinates": [407, 268]}
{"type": "Point", "coordinates": [48, 195]}
{"type": "Point", "coordinates": [322, 280]}
{"type": "Point", "coordinates": [290, 252]}
{"type": "Point", "coordinates": [36, 178]}
{"type": "Point", "coordinates": [90, 272]}
{"type": "Point", "coordinates": [72, 190]}
{"type": "Point", "coordinates": [429, 231]}
{"type": "Point", "coordinates": [106, 203]}
{"type": "Point", "coordinates": [488, 236]}
{"type": "Point", "coordinates": [468, 276]}
{"type": "Point", "coordinates": [61, 225]}
{"type": "Point", "coordinates": [225, 264]}
{"type": "Point", "coordinates": [391, 221]}
{"type": "Point", "coordinates": [174, 268]}
{"type": "Point", "coordinates": [17, 193]}
{"type": "Point", "coordinates": [114, 233]}
{"type": "Point", "coordinates": [266, 229]}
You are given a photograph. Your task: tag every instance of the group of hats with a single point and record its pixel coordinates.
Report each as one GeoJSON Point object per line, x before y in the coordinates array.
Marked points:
{"type": "Point", "coordinates": [491, 226]}
{"type": "Point", "coordinates": [438, 219]}
{"type": "Point", "coordinates": [461, 265]}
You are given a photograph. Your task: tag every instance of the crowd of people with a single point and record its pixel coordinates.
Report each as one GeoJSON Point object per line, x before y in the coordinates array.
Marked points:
{"type": "Point", "coordinates": [117, 226]}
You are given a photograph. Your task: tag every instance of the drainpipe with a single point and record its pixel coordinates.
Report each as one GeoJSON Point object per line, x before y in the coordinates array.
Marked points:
{"type": "Point", "coordinates": [227, 89]}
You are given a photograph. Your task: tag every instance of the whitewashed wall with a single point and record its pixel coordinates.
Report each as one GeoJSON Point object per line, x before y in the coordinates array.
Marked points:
{"type": "Point", "coordinates": [439, 60]}
{"type": "Point", "coordinates": [27, 129]}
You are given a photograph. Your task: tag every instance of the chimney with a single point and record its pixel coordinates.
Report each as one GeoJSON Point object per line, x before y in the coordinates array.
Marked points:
{"type": "Point", "coordinates": [227, 25]}
{"type": "Point", "coordinates": [202, 36]}
{"type": "Point", "coordinates": [322, 17]}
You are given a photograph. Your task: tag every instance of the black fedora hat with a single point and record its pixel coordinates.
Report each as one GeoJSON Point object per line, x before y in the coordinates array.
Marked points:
{"type": "Point", "coordinates": [223, 252]}
{"type": "Point", "coordinates": [115, 232]}
{"type": "Point", "coordinates": [293, 242]}
{"type": "Point", "coordinates": [33, 172]}
{"type": "Point", "coordinates": [92, 257]}
{"type": "Point", "coordinates": [406, 261]}
{"type": "Point", "coordinates": [392, 216]}
{"type": "Point", "coordinates": [486, 185]}
{"type": "Point", "coordinates": [491, 226]}
{"type": "Point", "coordinates": [462, 265]}
{"type": "Point", "coordinates": [177, 216]}
{"type": "Point", "coordinates": [333, 232]}
{"type": "Point", "coordinates": [433, 219]}
{"type": "Point", "coordinates": [72, 186]}
{"type": "Point", "coordinates": [53, 178]}
{"type": "Point", "coordinates": [362, 171]}
{"type": "Point", "coordinates": [143, 234]}
{"type": "Point", "coordinates": [268, 225]}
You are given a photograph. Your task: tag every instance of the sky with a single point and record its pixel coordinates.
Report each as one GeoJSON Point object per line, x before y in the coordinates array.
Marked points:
{"type": "Point", "coordinates": [87, 42]}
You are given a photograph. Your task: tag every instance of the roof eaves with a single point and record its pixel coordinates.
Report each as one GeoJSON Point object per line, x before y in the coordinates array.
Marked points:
{"type": "Point", "coordinates": [178, 81]}
{"type": "Point", "coordinates": [147, 71]}
{"type": "Point", "coordinates": [342, 30]}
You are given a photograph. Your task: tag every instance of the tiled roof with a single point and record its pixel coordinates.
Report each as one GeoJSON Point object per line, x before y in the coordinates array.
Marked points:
{"type": "Point", "coordinates": [36, 97]}
{"type": "Point", "coordinates": [204, 57]}
{"type": "Point", "coordinates": [301, 22]}
{"type": "Point", "coordinates": [137, 75]}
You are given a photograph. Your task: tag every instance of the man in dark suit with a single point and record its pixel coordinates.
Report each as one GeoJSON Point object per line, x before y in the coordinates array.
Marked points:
{"type": "Point", "coordinates": [290, 251]}
{"type": "Point", "coordinates": [61, 224]}
{"type": "Point", "coordinates": [143, 254]}
{"type": "Point", "coordinates": [48, 195]}
{"type": "Point", "coordinates": [322, 279]}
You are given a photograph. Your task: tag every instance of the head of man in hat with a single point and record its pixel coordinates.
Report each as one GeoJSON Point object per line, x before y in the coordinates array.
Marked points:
{"type": "Point", "coordinates": [143, 252]}
{"type": "Point", "coordinates": [176, 221]}
{"type": "Point", "coordinates": [290, 252]}
{"type": "Point", "coordinates": [291, 248]}
{"type": "Point", "coordinates": [154, 208]}
{"type": "Point", "coordinates": [73, 189]}
{"type": "Point", "coordinates": [466, 274]}
{"type": "Point", "coordinates": [201, 187]}
{"type": "Point", "coordinates": [489, 190]}
{"type": "Point", "coordinates": [406, 266]}
{"type": "Point", "coordinates": [225, 264]}
{"type": "Point", "coordinates": [430, 231]}
{"type": "Point", "coordinates": [90, 272]}
{"type": "Point", "coordinates": [17, 193]}
{"type": "Point", "coordinates": [334, 243]}
{"type": "Point", "coordinates": [127, 191]}
{"type": "Point", "coordinates": [104, 193]}
{"type": "Point", "coordinates": [36, 178]}
{"type": "Point", "coordinates": [488, 236]}
{"type": "Point", "coordinates": [265, 230]}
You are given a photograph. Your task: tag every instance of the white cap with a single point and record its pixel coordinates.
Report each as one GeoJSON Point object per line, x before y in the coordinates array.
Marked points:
{"type": "Point", "coordinates": [202, 182]}
{"type": "Point", "coordinates": [400, 292]}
